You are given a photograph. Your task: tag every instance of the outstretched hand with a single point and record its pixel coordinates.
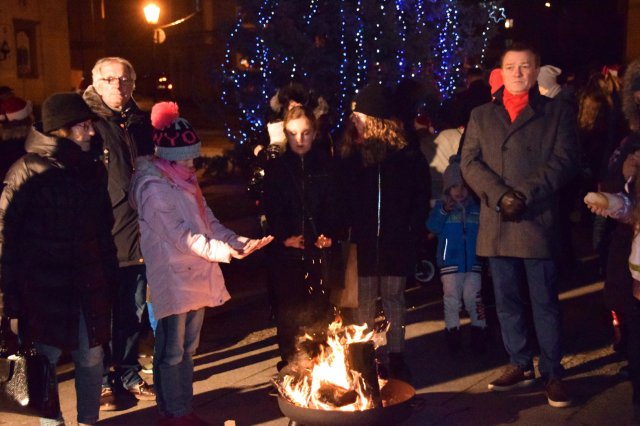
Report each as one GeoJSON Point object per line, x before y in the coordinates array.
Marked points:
{"type": "Point", "coordinates": [250, 247]}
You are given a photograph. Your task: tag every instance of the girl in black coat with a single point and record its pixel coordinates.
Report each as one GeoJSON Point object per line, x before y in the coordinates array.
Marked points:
{"type": "Point", "coordinates": [298, 191]}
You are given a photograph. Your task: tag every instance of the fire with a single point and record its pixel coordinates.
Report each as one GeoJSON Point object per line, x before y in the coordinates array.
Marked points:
{"type": "Point", "coordinates": [328, 381]}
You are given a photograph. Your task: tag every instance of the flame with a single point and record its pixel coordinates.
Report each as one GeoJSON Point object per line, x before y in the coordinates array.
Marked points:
{"type": "Point", "coordinates": [330, 370]}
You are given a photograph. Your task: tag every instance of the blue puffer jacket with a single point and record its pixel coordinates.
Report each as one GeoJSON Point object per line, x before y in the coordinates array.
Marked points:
{"type": "Point", "coordinates": [457, 233]}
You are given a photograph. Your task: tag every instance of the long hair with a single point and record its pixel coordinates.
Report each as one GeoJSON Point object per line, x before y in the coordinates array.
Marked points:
{"type": "Point", "coordinates": [380, 136]}
{"type": "Point", "coordinates": [596, 100]}
{"type": "Point", "coordinates": [630, 108]}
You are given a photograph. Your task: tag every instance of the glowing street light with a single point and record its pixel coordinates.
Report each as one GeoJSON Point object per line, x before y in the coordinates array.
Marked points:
{"type": "Point", "coordinates": [152, 13]}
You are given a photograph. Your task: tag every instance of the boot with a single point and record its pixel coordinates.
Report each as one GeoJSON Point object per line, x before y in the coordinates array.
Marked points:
{"type": "Point", "coordinates": [454, 340]}
{"type": "Point", "coordinates": [398, 369]}
{"type": "Point", "coordinates": [479, 339]}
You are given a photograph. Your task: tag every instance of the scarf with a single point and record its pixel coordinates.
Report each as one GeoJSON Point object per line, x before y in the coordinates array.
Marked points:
{"type": "Point", "coordinates": [184, 179]}
{"type": "Point", "coordinates": [514, 103]}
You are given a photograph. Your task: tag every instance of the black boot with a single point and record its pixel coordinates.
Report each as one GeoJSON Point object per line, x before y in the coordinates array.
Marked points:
{"type": "Point", "coordinates": [454, 340]}
{"type": "Point", "coordinates": [398, 369]}
{"type": "Point", "coordinates": [479, 339]}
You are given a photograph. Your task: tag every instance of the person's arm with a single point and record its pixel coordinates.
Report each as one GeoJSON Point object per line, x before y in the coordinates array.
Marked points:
{"type": "Point", "coordinates": [487, 184]}
{"type": "Point", "coordinates": [560, 167]}
{"type": "Point", "coordinates": [437, 218]}
{"type": "Point", "coordinates": [13, 203]}
{"type": "Point", "coordinates": [157, 208]}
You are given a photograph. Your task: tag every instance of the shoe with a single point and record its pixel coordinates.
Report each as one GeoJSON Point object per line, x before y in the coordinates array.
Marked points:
{"type": "Point", "coordinates": [513, 377]}
{"type": "Point", "coordinates": [107, 399]}
{"type": "Point", "coordinates": [454, 340]}
{"type": "Point", "coordinates": [557, 395]}
{"type": "Point", "coordinates": [398, 369]}
{"type": "Point", "coordinates": [143, 391]}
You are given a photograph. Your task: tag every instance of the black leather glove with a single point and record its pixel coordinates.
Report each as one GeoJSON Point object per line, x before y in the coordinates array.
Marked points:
{"type": "Point", "coordinates": [512, 206]}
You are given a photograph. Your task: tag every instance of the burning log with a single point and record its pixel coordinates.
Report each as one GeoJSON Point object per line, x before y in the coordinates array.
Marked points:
{"type": "Point", "coordinates": [335, 395]}
{"type": "Point", "coordinates": [361, 357]}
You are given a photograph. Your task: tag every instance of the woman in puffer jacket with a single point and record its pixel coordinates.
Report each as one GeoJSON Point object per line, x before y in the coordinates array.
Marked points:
{"type": "Point", "coordinates": [58, 261]}
{"type": "Point", "coordinates": [182, 243]}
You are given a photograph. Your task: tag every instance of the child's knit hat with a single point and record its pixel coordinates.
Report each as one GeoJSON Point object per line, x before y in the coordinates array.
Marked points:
{"type": "Point", "coordinates": [452, 174]}
{"type": "Point", "coordinates": [173, 136]}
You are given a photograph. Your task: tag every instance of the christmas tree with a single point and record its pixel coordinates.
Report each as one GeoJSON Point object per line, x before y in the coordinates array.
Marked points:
{"type": "Point", "coordinates": [338, 46]}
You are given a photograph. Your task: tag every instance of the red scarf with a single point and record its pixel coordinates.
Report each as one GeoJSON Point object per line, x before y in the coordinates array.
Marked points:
{"type": "Point", "coordinates": [514, 103]}
{"type": "Point", "coordinates": [184, 178]}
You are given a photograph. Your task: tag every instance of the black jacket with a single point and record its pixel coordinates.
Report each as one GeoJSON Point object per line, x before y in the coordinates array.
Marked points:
{"type": "Point", "coordinates": [314, 182]}
{"type": "Point", "coordinates": [57, 255]}
{"type": "Point", "coordinates": [403, 184]}
{"type": "Point", "coordinates": [120, 138]}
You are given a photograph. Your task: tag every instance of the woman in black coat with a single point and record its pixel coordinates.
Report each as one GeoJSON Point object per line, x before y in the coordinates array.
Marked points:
{"type": "Point", "coordinates": [298, 191]}
{"type": "Point", "coordinates": [387, 186]}
{"type": "Point", "coordinates": [57, 257]}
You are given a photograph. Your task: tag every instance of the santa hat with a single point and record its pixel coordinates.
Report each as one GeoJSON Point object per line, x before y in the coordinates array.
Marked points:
{"type": "Point", "coordinates": [15, 109]}
{"type": "Point", "coordinates": [173, 136]}
{"type": "Point", "coordinates": [547, 80]}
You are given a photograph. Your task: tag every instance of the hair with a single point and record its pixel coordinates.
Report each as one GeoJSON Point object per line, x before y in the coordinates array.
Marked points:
{"type": "Point", "coordinates": [300, 112]}
{"type": "Point", "coordinates": [96, 72]}
{"type": "Point", "coordinates": [62, 132]}
{"type": "Point", "coordinates": [521, 47]}
{"type": "Point", "coordinates": [380, 136]}
{"type": "Point", "coordinates": [596, 99]}
{"type": "Point", "coordinates": [630, 108]}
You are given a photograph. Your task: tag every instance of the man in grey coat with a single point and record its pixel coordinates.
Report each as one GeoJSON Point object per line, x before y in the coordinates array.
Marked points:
{"type": "Point", "coordinates": [519, 151]}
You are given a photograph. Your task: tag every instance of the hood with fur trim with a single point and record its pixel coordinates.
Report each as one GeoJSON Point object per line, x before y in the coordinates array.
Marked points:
{"type": "Point", "coordinates": [97, 105]}
{"type": "Point", "coordinates": [629, 107]}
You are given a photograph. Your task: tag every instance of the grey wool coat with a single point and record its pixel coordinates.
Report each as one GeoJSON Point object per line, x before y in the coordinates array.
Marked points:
{"type": "Point", "coordinates": [536, 155]}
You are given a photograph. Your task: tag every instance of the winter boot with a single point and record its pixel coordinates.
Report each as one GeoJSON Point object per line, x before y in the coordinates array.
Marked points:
{"type": "Point", "coordinates": [454, 340]}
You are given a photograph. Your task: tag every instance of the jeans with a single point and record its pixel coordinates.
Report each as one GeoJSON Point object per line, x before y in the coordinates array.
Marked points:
{"type": "Point", "coordinates": [511, 277]}
{"type": "Point", "coordinates": [88, 376]}
{"type": "Point", "coordinates": [128, 308]}
{"type": "Point", "coordinates": [391, 290]}
{"type": "Point", "coordinates": [177, 338]}
{"type": "Point", "coordinates": [461, 286]}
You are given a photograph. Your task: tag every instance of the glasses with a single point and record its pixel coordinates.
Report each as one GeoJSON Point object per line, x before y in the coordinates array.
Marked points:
{"type": "Point", "coordinates": [111, 81]}
{"type": "Point", "coordinates": [85, 125]}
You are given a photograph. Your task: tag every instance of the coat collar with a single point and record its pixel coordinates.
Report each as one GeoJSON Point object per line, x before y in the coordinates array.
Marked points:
{"type": "Point", "coordinates": [535, 108]}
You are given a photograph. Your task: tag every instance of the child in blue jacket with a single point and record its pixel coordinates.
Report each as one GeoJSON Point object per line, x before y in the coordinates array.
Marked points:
{"type": "Point", "coordinates": [454, 220]}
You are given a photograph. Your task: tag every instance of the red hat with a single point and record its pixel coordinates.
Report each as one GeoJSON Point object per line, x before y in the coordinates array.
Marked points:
{"type": "Point", "coordinates": [495, 80]}
{"type": "Point", "coordinates": [15, 109]}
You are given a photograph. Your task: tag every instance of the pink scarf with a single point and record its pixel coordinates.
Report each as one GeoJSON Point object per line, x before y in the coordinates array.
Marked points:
{"type": "Point", "coordinates": [183, 178]}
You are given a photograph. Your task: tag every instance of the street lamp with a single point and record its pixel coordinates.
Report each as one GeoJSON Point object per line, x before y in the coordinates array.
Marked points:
{"type": "Point", "coordinates": [152, 13]}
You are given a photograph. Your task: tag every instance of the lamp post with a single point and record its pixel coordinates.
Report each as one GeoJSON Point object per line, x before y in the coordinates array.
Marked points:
{"type": "Point", "coordinates": [152, 16]}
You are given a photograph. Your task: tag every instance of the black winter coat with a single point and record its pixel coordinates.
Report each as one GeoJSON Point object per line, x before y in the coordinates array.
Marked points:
{"type": "Point", "coordinates": [57, 255]}
{"type": "Point", "coordinates": [120, 138]}
{"type": "Point", "coordinates": [314, 182]}
{"type": "Point", "coordinates": [387, 207]}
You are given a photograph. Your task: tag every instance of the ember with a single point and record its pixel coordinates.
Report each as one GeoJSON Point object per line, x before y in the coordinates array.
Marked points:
{"type": "Point", "coordinates": [341, 377]}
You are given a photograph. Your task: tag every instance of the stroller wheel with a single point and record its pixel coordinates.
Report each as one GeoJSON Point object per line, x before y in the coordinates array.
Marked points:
{"type": "Point", "coordinates": [424, 271]}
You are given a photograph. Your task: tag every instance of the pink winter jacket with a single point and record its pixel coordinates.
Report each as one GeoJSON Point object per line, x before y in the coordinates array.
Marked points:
{"type": "Point", "coordinates": [181, 251]}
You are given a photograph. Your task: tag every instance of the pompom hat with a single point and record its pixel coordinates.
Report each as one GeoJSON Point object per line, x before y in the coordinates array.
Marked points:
{"type": "Point", "coordinates": [173, 136]}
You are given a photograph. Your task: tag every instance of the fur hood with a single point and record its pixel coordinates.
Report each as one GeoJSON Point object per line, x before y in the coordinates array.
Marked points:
{"type": "Point", "coordinates": [629, 108]}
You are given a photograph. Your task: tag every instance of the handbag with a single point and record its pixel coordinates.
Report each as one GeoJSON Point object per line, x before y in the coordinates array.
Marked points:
{"type": "Point", "coordinates": [347, 297]}
{"type": "Point", "coordinates": [27, 380]}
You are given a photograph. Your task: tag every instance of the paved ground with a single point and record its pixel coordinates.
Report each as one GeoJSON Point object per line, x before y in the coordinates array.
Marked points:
{"type": "Point", "coordinates": [237, 355]}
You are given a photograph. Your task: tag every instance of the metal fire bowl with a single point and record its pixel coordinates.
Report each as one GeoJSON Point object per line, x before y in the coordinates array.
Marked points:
{"type": "Point", "coordinates": [398, 395]}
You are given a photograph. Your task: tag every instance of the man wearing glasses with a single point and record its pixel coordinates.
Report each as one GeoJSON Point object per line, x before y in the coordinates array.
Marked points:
{"type": "Point", "coordinates": [123, 132]}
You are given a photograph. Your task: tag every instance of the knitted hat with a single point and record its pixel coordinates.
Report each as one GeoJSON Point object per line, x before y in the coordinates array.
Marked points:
{"type": "Point", "coordinates": [495, 80]}
{"type": "Point", "coordinates": [173, 136]}
{"type": "Point", "coordinates": [373, 100]}
{"type": "Point", "coordinates": [64, 110]}
{"type": "Point", "coordinates": [452, 175]}
{"type": "Point", "coordinates": [15, 109]}
{"type": "Point", "coordinates": [547, 80]}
